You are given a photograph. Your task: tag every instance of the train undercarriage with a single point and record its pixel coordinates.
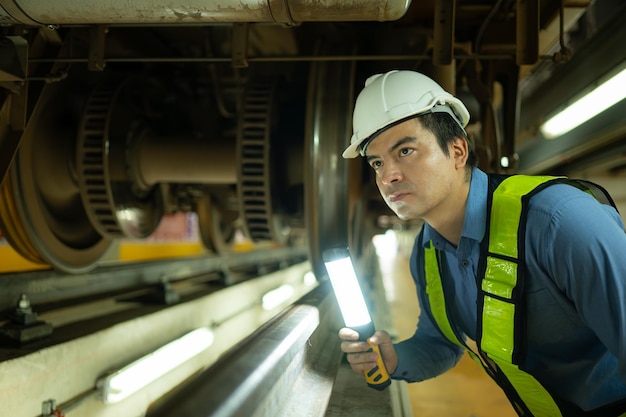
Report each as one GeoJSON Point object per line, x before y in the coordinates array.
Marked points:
{"type": "Point", "coordinates": [114, 117]}
{"type": "Point", "coordinates": [106, 154]}
{"type": "Point", "coordinates": [233, 115]}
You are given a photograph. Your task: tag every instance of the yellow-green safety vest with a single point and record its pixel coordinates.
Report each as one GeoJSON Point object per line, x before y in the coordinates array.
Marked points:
{"type": "Point", "coordinates": [500, 336]}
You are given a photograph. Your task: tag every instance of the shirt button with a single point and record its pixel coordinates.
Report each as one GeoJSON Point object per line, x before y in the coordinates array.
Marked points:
{"type": "Point", "coordinates": [465, 263]}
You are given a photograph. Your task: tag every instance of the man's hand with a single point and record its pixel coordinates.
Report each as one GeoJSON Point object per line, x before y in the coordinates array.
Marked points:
{"type": "Point", "coordinates": [357, 352]}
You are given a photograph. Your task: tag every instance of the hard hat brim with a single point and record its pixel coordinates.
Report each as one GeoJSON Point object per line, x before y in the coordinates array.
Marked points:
{"type": "Point", "coordinates": [357, 147]}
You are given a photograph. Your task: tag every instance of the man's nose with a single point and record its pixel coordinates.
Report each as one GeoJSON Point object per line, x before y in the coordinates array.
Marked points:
{"type": "Point", "coordinates": [391, 173]}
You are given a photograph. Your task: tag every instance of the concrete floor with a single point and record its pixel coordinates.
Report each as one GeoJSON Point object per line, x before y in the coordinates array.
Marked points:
{"type": "Point", "coordinates": [465, 391]}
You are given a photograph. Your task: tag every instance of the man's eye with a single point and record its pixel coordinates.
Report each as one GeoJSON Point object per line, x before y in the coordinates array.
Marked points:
{"type": "Point", "coordinates": [405, 151]}
{"type": "Point", "coordinates": [375, 164]}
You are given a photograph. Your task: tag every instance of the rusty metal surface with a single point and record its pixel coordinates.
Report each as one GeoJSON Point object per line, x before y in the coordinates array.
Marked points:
{"type": "Point", "coordinates": [36, 12]}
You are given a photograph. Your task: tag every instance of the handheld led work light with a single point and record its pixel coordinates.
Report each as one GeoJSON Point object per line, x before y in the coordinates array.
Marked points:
{"type": "Point", "coordinates": [353, 308]}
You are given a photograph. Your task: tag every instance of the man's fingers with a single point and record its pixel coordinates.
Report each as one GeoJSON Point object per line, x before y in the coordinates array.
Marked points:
{"type": "Point", "coordinates": [354, 347]}
{"type": "Point", "coordinates": [362, 358]}
{"type": "Point", "coordinates": [360, 362]}
{"type": "Point", "coordinates": [348, 334]}
{"type": "Point", "coordinates": [359, 354]}
{"type": "Point", "coordinates": [383, 340]}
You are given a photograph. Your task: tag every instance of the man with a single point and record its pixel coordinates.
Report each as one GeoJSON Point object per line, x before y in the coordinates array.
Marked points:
{"type": "Point", "coordinates": [530, 268]}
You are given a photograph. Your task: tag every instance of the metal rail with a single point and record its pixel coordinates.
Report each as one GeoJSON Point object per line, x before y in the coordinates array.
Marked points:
{"type": "Point", "coordinates": [290, 367]}
{"type": "Point", "coordinates": [51, 287]}
{"type": "Point", "coordinates": [298, 351]}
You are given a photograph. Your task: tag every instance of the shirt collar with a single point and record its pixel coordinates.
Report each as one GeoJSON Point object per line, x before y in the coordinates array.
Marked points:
{"type": "Point", "coordinates": [475, 212]}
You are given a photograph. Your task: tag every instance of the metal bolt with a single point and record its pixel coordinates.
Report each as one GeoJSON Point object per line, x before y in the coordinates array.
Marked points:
{"type": "Point", "coordinates": [23, 303]}
{"type": "Point", "coordinates": [47, 407]}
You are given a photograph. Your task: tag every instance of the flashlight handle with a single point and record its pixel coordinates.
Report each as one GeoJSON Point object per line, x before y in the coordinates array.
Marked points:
{"type": "Point", "coordinates": [377, 377]}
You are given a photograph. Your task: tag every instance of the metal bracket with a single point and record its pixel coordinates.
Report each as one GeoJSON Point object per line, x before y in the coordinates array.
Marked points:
{"type": "Point", "coordinates": [527, 32]}
{"type": "Point", "coordinates": [24, 326]}
{"type": "Point", "coordinates": [240, 45]}
{"type": "Point", "coordinates": [281, 13]}
{"type": "Point", "coordinates": [167, 295]}
{"type": "Point", "coordinates": [49, 409]}
{"type": "Point", "coordinates": [13, 58]}
{"type": "Point", "coordinates": [97, 41]}
{"type": "Point", "coordinates": [163, 294]}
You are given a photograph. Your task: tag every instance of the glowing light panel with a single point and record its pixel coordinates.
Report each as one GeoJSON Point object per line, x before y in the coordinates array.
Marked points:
{"type": "Point", "coordinates": [131, 378]}
{"type": "Point", "coordinates": [348, 292]}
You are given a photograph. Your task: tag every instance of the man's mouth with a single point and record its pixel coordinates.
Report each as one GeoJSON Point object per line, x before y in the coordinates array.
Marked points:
{"type": "Point", "coordinates": [396, 196]}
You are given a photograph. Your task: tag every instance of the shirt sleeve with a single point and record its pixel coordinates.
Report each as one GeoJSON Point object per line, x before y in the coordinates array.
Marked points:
{"type": "Point", "coordinates": [426, 354]}
{"type": "Point", "coordinates": [583, 247]}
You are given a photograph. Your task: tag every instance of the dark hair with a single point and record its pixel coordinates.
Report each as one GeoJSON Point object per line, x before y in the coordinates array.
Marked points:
{"type": "Point", "coordinates": [446, 129]}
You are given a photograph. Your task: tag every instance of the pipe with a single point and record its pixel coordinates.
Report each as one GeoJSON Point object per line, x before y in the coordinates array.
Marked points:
{"type": "Point", "coordinates": [288, 12]}
{"type": "Point", "coordinates": [183, 160]}
{"type": "Point", "coordinates": [443, 38]}
{"type": "Point", "coordinates": [445, 75]}
{"type": "Point", "coordinates": [527, 32]}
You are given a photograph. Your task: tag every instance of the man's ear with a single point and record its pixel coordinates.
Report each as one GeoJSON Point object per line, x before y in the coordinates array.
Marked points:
{"type": "Point", "coordinates": [459, 151]}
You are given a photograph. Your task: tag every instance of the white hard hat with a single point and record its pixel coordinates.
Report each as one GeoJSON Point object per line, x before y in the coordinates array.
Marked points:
{"type": "Point", "coordinates": [395, 96]}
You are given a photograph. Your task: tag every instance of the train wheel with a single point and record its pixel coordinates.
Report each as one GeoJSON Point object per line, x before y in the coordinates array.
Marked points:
{"type": "Point", "coordinates": [327, 135]}
{"type": "Point", "coordinates": [114, 205]}
{"type": "Point", "coordinates": [217, 226]}
{"type": "Point", "coordinates": [49, 222]}
{"type": "Point", "coordinates": [259, 182]}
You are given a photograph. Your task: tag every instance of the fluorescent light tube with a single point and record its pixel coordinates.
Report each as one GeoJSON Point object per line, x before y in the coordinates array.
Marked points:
{"type": "Point", "coordinates": [131, 378]}
{"type": "Point", "coordinates": [595, 102]}
{"type": "Point", "coordinates": [346, 287]}
{"type": "Point", "coordinates": [277, 296]}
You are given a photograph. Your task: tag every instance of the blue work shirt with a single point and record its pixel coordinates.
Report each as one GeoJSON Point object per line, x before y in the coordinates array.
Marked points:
{"type": "Point", "coordinates": [575, 291]}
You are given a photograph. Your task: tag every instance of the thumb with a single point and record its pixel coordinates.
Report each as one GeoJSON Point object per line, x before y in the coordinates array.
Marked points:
{"type": "Point", "coordinates": [381, 337]}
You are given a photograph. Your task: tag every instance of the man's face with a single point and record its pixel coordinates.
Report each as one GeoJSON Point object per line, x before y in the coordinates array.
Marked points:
{"type": "Point", "coordinates": [413, 174]}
